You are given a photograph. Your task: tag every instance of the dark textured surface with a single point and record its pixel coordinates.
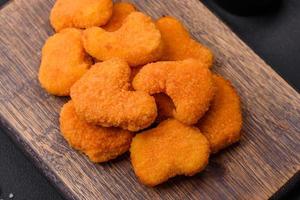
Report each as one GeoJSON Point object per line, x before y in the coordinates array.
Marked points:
{"type": "Point", "coordinates": [273, 35]}
{"type": "Point", "coordinates": [2, 2]}
{"type": "Point", "coordinates": [22, 179]}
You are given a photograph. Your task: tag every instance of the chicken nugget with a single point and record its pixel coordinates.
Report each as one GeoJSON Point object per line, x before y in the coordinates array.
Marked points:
{"type": "Point", "coordinates": [168, 150]}
{"type": "Point", "coordinates": [188, 83]}
{"type": "Point", "coordinates": [134, 71]}
{"type": "Point", "coordinates": [80, 13]}
{"type": "Point", "coordinates": [63, 62]}
{"type": "Point", "coordinates": [223, 122]}
{"type": "Point", "coordinates": [120, 11]}
{"type": "Point", "coordinates": [137, 41]}
{"type": "Point", "coordinates": [102, 97]}
{"type": "Point", "coordinates": [178, 44]}
{"type": "Point", "coordinates": [98, 143]}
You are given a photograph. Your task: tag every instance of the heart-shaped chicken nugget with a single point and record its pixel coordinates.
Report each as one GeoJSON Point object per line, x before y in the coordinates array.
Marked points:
{"type": "Point", "coordinates": [102, 97]}
{"type": "Point", "coordinates": [98, 143]}
{"type": "Point", "coordinates": [64, 61]}
{"type": "Point", "coordinates": [223, 122]}
{"type": "Point", "coordinates": [178, 44]}
{"type": "Point", "coordinates": [138, 41]}
{"type": "Point", "coordinates": [120, 11]}
{"type": "Point", "coordinates": [188, 83]}
{"type": "Point", "coordinates": [168, 150]}
{"type": "Point", "coordinates": [80, 13]}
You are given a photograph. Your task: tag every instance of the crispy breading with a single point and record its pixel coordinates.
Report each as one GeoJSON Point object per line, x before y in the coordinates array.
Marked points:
{"type": "Point", "coordinates": [137, 41]}
{"type": "Point", "coordinates": [102, 97]}
{"type": "Point", "coordinates": [188, 83]}
{"type": "Point", "coordinates": [120, 11]}
{"type": "Point", "coordinates": [164, 104]}
{"type": "Point", "coordinates": [98, 143]}
{"type": "Point", "coordinates": [80, 13]}
{"type": "Point", "coordinates": [168, 150]}
{"type": "Point", "coordinates": [63, 62]}
{"type": "Point", "coordinates": [178, 44]}
{"type": "Point", "coordinates": [223, 122]}
{"type": "Point", "coordinates": [134, 71]}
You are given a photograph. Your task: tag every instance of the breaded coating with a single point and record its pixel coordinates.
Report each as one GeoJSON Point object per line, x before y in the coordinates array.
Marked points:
{"type": "Point", "coordinates": [102, 97]}
{"type": "Point", "coordinates": [134, 71]}
{"type": "Point", "coordinates": [164, 104]}
{"type": "Point", "coordinates": [98, 143]}
{"type": "Point", "coordinates": [168, 150]}
{"type": "Point", "coordinates": [165, 107]}
{"type": "Point", "coordinates": [223, 122]}
{"type": "Point", "coordinates": [178, 44]}
{"type": "Point", "coordinates": [63, 62]}
{"type": "Point", "coordinates": [188, 83]}
{"type": "Point", "coordinates": [80, 13]}
{"type": "Point", "coordinates": [138, 41]}
{"type": "Point", "coordinates": [120, 11]}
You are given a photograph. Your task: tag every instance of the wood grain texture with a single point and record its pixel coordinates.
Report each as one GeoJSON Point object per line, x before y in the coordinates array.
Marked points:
{"type": "Point", "coordinates": [267, 156]}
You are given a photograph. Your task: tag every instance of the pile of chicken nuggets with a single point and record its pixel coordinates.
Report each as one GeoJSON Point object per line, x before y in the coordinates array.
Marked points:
{"type": "Point", "coordinates": [137, 85]}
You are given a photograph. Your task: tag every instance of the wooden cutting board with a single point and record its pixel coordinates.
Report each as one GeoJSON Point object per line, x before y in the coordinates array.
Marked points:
{"type": "Point", "coordinates": [267, 156]}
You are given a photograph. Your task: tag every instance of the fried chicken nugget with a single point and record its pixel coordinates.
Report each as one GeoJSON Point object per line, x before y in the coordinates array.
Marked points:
{"type": "Point", "coordinates": [178, 44]}
{"type": "Point", "coordinates": [80, 13]}
{"type": "Point", "coordinates": [63, 62]}
{"type": "Point", "coordinates": [188, 83]}
{"type": "Point", "coordinates": [168, 150]}
{"type": "Point", "coordinates": [138, 41]}
{"type": "Point", "coordinates": [98, 143]}
{"type": "Point", "coordinates": [102, 97]}
{"type": "Point", "coordinates": [164, 104]}
{"type": "Point", "coordinates": [120, 11]}
{"type": "Point", "coordinates": [223, 122]}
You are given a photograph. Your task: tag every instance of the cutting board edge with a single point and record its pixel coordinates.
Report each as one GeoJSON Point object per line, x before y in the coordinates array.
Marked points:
{"type": "Point", "coordinates": [50, 175]}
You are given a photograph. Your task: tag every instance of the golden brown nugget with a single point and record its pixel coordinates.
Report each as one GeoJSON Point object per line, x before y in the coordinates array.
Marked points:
{"type": "Point", "coordinates": [64, 61]}
{"type": "Point", "coordinates": [188, 83]}
{"type": "Point", "coordinates": [138, 41]}
{"type": "Point", "coordinates": [164, 103]}
{"type": "Point", "coordinates": [134, 71]}
{"type": "Point", "coordinates": [120, 11]}
{"type": "Point", "coordinates": [168, 150]}
{"type": "Point", "coordinates": [80, 13]}
{"type": "Point", "coordinates": [223, 122]}
{"type": "Point", "coordinates": [102, 97]}
{"type": "Point", "coordinates": [178, 44]}
{"type": "Point", "coordinates": [98, 143]}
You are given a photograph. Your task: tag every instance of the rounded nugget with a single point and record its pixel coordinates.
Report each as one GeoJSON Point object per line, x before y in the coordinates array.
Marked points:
{"type": "Point", "coordinates": [188, 83]}
{"type": "Point", "coordinates": [80, 13]}
{"type": "Point", "coordinates": [168, 150]}
{"type": "Point", "coordinates": [178, 44]}
{"type": "Point", "coordinates": [63, 62]}
{"type": "Point", "coordinates": [102, 97]}
{"type": "Point", "coordinates": [138, 41]}
{"type": "Point", "coordinates": [164, 104]}
{"type": "Point", "coordinates": [98, 143]}
{"type": "Point", "coordinates": [120, 11]}
{"type": "Point", "coordinates": [222, 123]}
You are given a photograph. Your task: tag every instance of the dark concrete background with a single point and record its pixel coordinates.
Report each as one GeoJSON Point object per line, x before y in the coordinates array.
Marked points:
{"type": "Point", "coordinates": [273, 34]}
